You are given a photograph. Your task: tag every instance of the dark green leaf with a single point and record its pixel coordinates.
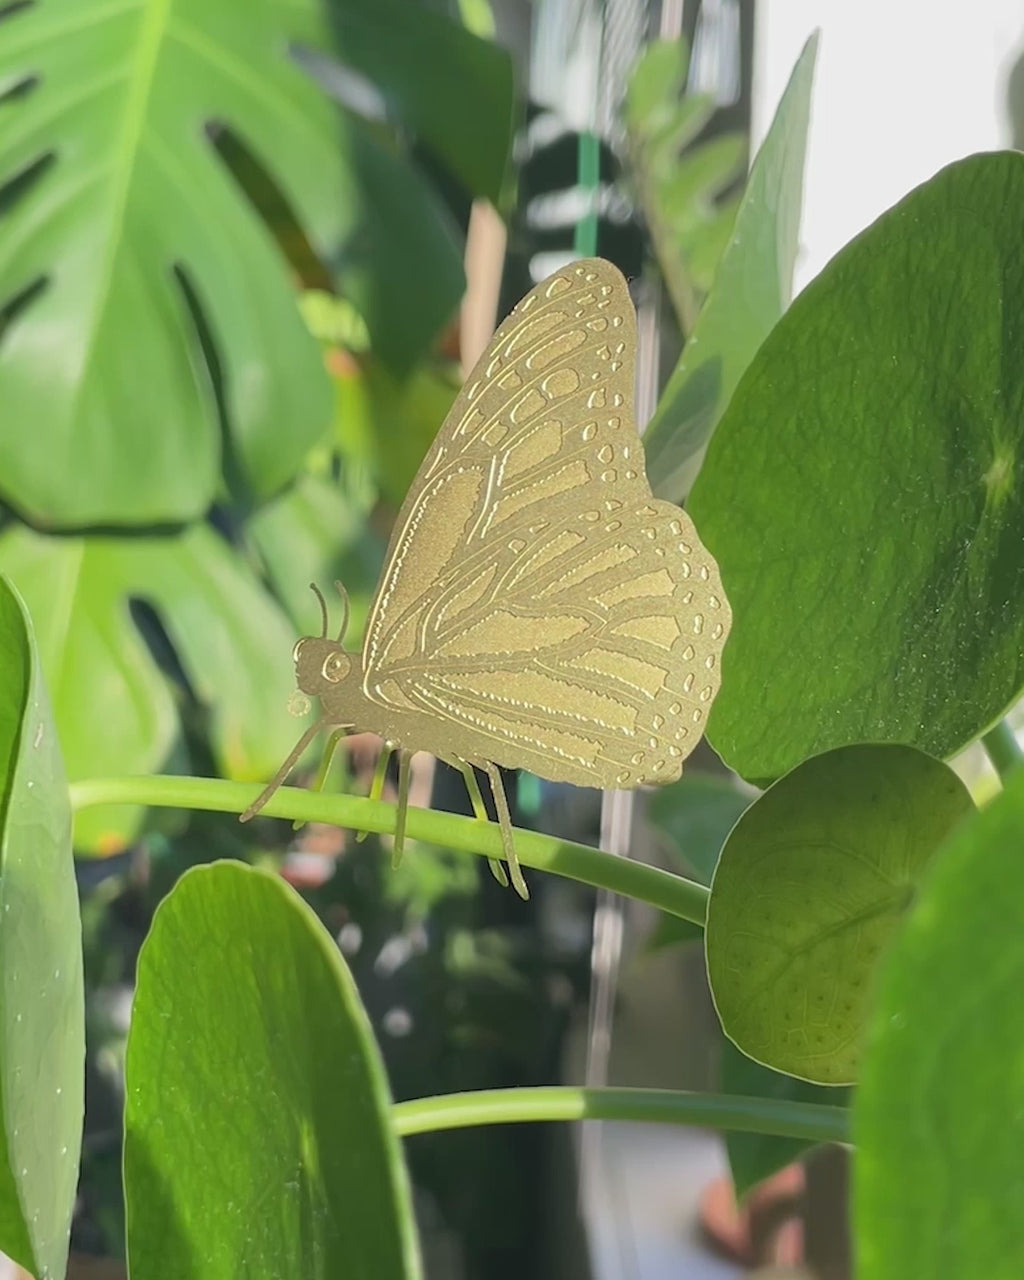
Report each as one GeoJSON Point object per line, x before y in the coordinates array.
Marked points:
{"type": "Point", "coordinates": [812, 884]}
{"type": "Point", "coordinates": [258, 1138]}
{"type": "Point", "coordinates": [751, 289]}
{"type": "Point", "coordinates": [863, 495]}
{"type": "Point", "coordinates": [42, 1028]}
{"type": "Point", "coordinates": [695, 814]}
{"type": "Point", "coordinates": [452, 88]}
{"type": "Point", "coordinates": [672, 931]}
{"type": "Point", "coordinates": [753, 1157]}
{"type": "Point", "coordinates": [402, 265]}
{"type": "Point", "coordinates": [124, 189]}
{"type": "Point", "coordinates": [114, 707]}
{"type": "Point", "coordinates": [939, 1116]}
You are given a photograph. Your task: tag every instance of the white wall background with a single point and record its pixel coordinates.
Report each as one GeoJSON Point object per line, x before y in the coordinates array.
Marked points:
{"type": "Point", "coordinates": [902, 87]}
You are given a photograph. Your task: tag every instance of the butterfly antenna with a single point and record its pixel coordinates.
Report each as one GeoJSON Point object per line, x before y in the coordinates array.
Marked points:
{"type": "Point", "coordinates": [340, 587]}
{"type": "Point", "coordinates": [323, 607]}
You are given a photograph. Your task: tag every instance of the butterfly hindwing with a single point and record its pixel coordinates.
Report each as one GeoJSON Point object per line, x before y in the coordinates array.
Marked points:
{"type": "Point", "coordinates": [535, 594]}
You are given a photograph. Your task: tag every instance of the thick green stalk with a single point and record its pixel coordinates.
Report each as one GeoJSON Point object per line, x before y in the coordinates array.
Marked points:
{"type": "Point", "coordinates": [809, 1121]}
{"type": "Point", "coordinates": [588, 168]}
{"type": "Point", "coordinates": [1002, 748]}
{"type": "Point", "coordinates": [661, 889]}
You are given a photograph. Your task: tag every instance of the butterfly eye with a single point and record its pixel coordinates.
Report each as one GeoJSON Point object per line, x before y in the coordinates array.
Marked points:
{"type": "Point", "coordinates": [334, 667]}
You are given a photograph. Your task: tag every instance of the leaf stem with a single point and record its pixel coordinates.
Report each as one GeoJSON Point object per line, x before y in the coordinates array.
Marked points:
{"type": "Point", "coordinates": [670, 893]}
{"type": "Point", "coordinates": [1002, 748]}
{"type": "Point", "coordinates": [782, 1118]}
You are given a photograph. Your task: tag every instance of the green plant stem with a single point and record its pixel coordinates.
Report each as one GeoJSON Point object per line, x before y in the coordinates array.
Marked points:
{"type": "Point", "coordinates": [812, 1122]}
{"type": "Point", "coordinates": [1003, 749]}
{"type": "Point", "coordinates": [670, 893]}
{"type": "Point", "coordinates": [666, 247]}
{"type": "Point", "coordinates": [588, 168]}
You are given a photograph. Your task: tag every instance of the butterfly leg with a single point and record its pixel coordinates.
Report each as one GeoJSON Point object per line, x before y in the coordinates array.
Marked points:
{"type": "Point", "coordinates": [404, 760]}
{"type": "Point", "coordinates": [325, 765]}
{"type": "Point", "coordinates": [505, 823]}
{"type": "Point", "coordinates": [282, 773]}
{"type": "Point", "coordinates": [480, 809]}
{"type": "Point", "coordinates": [377, 785]}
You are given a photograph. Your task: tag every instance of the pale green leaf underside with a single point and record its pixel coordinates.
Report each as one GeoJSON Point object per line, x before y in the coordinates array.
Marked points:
{"type": "Point", "coordinates": [810, 888]}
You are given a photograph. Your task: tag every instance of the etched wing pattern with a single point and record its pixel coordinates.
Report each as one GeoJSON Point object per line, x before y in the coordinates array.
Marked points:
{"type": "Point", "coordinates": [537, 602]}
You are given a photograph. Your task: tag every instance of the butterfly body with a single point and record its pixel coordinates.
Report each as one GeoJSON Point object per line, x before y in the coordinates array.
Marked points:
{"type": "Point", "coordinates": [539, 608]}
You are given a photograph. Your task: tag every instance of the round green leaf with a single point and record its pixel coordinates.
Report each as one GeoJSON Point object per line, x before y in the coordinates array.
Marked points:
{"type": "Point", "coordinates": [811, 885]}
{"type": "Point", "coordinates": [42, 1020]}
{"type": "Point", "coordinates": [258, 1137]}
{"type": "Point", "coordinates": [863, 493]}
{"type": "Point", "coordinates": [939, 1116]}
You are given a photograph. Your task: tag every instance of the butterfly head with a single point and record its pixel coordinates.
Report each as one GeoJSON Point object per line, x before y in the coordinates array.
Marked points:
{"type": "Point", "coordinates": [321, 662]}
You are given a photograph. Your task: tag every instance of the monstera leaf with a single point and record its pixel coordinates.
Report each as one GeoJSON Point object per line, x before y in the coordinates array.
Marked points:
{"type": "Point", "coordinates": [135, 275]}
{"type": "Point", "coordinates": [114, 707]}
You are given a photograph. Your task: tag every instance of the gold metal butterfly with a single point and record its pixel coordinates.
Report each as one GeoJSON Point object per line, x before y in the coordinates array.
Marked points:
{"type": "Point", "coordinates": [538, 609]}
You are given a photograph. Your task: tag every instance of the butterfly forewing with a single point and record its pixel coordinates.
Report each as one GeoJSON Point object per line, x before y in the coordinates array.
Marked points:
{"type": "Point", "coordinates": [537, 600]}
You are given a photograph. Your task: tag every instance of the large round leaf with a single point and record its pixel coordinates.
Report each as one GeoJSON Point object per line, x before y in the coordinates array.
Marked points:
{"type": "Point", "coordinates": [863, 494]}
{"type": "Point", "coordinates": [811, 886]}
{"type": "Point", "coordinates": [258, 1135]}
{"type": "Point", "coordinates": [939, 1116]}
{"type": "Point", "coordinates": [42, 1010]}
{"type": "Point", "coordinates": [114, 707]}
{"type": "Point", "coordinates": [124, 193]}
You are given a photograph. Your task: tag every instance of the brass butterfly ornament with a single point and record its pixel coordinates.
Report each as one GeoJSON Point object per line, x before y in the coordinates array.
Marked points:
{"type": "Point", "coordinates": [539, 609]}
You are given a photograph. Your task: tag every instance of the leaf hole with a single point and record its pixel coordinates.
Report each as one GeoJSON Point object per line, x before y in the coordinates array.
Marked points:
{"type": "Point", "coordinates": [154, 634]}
{"type": "Point", "coordinates": [270, 204]}
{"type": "Point", "coordinates": [11, 309]}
